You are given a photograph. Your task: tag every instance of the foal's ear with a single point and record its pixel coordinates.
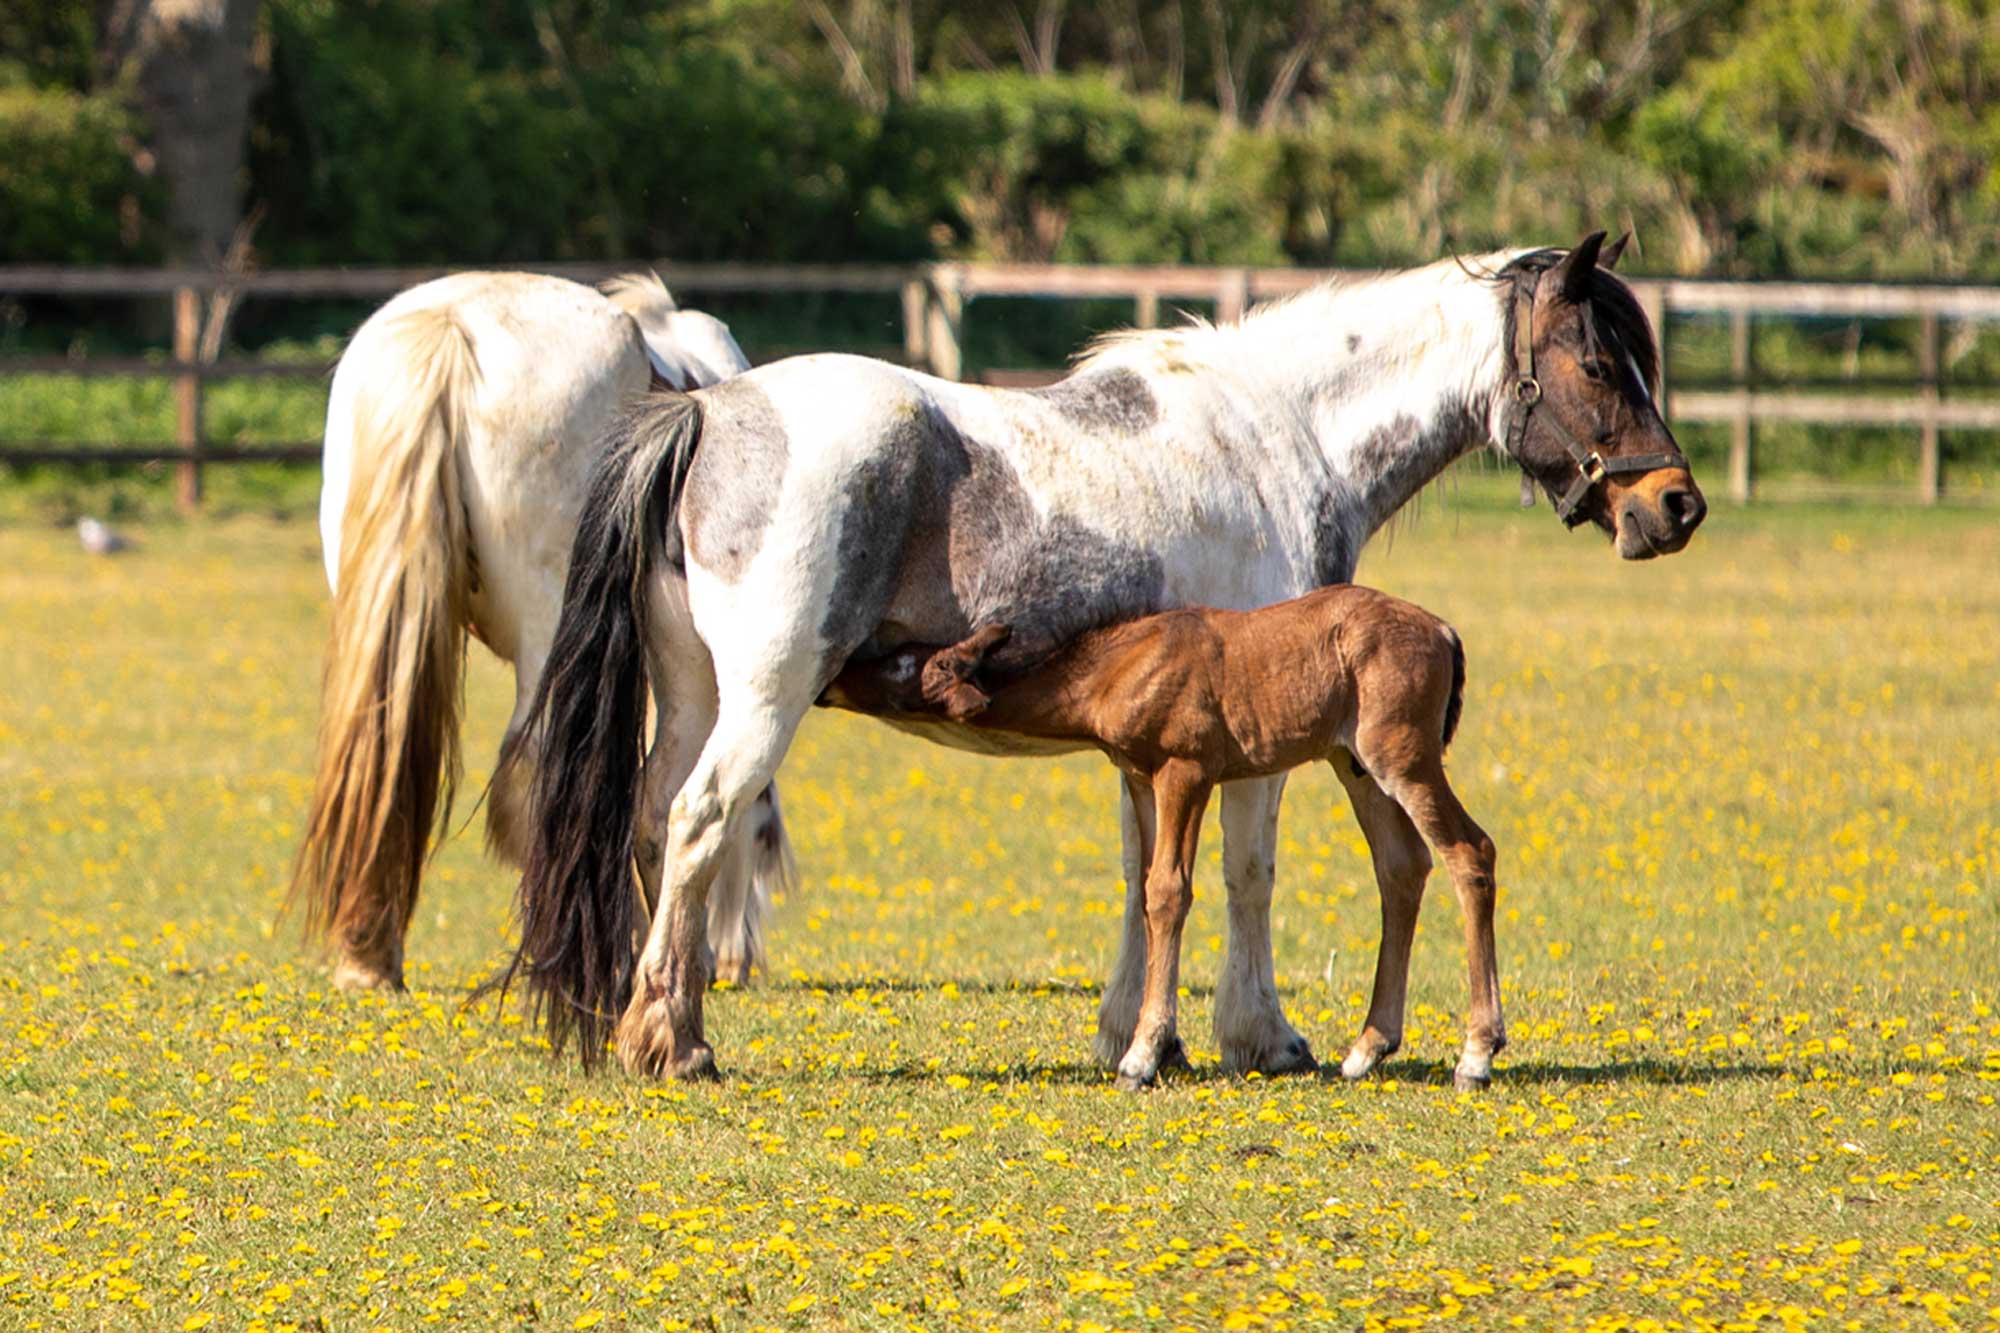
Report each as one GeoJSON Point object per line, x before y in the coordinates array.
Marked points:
{"type": "Point", "coordinates": [1573, 273]}
{"type": "Point", "coordinates": [1613, 252]}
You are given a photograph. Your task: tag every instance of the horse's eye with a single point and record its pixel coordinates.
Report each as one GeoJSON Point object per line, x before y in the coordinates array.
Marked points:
{"type": "Point", "coordinates": [1598, 372]}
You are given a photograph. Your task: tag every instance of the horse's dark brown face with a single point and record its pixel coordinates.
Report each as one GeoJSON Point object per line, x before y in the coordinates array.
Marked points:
{"type": "Point", "coordinates": [1596, 362]}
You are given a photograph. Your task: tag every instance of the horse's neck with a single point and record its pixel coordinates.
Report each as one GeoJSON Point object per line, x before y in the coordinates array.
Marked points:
{"type": "Point", "coordinates": [1391, 381]}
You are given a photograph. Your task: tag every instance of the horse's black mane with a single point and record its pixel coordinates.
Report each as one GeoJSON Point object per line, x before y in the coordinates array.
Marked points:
{"type": "Point", "coordinates": [1612, 318]}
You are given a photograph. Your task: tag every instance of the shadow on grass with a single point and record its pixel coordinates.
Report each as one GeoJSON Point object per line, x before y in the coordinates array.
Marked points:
{"type": "Point", "coordinates": [1540, 1073]}
{"type": "Point", "coordinates": [913, 986]}
{"type": "Point", "coordinates": [1436, 1073]}
{"type": "Point", "coordinates": [1074, 1073]}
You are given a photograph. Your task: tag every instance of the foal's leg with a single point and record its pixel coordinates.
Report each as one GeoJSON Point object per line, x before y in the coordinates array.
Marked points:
{"type": "Point", "coordinates": [1402, 864]}
{"type": "Point", "coordinates": [1180, 795]}
{"type": "Point", "coordinates": [1250, 1021]}
{"type": "Point", "coordinates": [1118, 1011]}
{"type": "Point", "coordinates": [1421, 789]}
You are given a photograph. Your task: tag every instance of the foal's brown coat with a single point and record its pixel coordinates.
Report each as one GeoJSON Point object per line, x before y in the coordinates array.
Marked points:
{"type": "Point", "coordinates": [1189, 699]}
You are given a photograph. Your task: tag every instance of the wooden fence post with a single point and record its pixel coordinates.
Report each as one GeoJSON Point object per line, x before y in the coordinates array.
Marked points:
{"type": "Point", "coordinates": [1146, 309]}
{"type": "Point", "coordinates": [1742, 370]}
{"type": "Point", "coordinates": [1232, 295]}
{"type": "Point", "coordinates": [187, 398]}
{"type": "Point", "coordinates": [1930, 465]}
{"type": "Point", "coordinates": [916, 322]}
{"type": "Point", "coordinates": [946, 322]}
{"type": "Point", "coordinates": [1654, 298]}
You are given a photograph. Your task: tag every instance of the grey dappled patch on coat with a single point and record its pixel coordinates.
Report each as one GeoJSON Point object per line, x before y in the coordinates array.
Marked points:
{"type": "Point", "coordinates": [731, 494]}
{"type": "Point", "coordinates": [1113, 399]}
{"type": "Point", "coordinates": [938, 535]}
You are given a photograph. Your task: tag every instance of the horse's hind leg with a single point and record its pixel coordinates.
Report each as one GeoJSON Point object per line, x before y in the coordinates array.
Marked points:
{"type": "Point", "coordinates": [661, 1032]}
{"type": "Point", "coordinates": [1180, 795]}
{"type": "Point", "coordinates": [1418, 784]}
{"type": "Point", "coordinates": [1118, 1010]}
{"type": "Point", "coordinates": [1402, 864]}
{"type": "Point", "coordinates": [1250, 1023]}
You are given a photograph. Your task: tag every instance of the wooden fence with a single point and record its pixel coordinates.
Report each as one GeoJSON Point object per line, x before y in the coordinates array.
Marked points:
{"type": "Point", "coordinates": [935, 298]}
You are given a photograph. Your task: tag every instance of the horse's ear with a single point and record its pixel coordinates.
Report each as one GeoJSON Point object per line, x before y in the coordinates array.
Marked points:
{"type": "Point", "coordinates": [1573, 274]}
{"type": "Point", "coordinates": [1613, 252]}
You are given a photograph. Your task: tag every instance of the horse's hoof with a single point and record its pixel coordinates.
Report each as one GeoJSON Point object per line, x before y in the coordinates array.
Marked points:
{"type": "Point", "coordinates": [732, 968]}
{"type": "Point", "coordinates": [1295, 1058]}
{"type": "Point", "coordinates": [1474, 1072]}
{"type": "Point", "coordinates": [1365, 1057]}
{"type": "Point", "coordinates": [1127, 1083]}
{"type": "Point", "coordinates": [649, 1048]}
{"type": "Point", "coordinates": [1174, 1055]}
{"type": "Point", "coordinates": [697, 1066]}
{"type": "Point", "coordinates": [356, 975]}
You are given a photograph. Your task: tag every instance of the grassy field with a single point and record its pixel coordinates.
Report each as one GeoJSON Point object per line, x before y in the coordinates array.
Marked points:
{"type": "Point", "coordinates": [1750, 938]}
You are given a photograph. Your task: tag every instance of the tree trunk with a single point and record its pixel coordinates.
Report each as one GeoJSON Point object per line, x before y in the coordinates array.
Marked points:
{"type": "Point", "coordinates": [189, 65]}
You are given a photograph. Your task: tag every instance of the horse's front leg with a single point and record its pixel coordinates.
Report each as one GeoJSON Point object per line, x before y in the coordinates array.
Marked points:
{"type": "Point", "coordinates": [1250, 1024]}
{"type": "Point", "coordinates": [1118, 1012]}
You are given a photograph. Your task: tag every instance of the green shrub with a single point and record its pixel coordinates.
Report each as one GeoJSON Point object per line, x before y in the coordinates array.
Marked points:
{"type": "Point", "coordinates": [69, 192]}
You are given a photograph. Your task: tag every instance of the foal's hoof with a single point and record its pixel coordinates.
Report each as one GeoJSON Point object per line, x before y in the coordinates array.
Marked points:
{"type": "Point", "coordinates": [1473, 1074]}
{"type": "Point", "coordinates": [732, 968]}
{"type": "Point", "coordinates": [1365, 1058]}
{"type": "Point", "coordinates": [1131, 1083]}
{"type": "Point", "coordinates": [1174, 1055]}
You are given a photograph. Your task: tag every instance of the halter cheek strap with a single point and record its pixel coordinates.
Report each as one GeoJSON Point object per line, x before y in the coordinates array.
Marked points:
{"type": "Point", "coordinates": [1592, 467]}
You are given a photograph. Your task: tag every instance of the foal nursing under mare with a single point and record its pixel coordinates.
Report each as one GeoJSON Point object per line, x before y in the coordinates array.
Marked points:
{"type": "Point", "coordinates": [741, 544]}
{"type": "Point", "coordinates": [1185, 700]}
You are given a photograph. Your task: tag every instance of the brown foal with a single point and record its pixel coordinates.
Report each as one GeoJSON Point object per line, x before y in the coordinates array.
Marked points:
{"type": "Point", "coordinates": [1188, 699]}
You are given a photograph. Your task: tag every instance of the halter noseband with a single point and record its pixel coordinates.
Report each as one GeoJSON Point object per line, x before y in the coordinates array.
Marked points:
{"type": "Point", "coordinates": [1591, 466]}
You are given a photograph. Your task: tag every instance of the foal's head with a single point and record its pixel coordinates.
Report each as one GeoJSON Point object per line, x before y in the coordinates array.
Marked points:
{"type": "Point", "coordinates": [1582, 420]}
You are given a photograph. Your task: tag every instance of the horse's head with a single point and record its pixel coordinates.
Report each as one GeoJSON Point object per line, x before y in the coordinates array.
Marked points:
{"type": "Point", "coordinates": [1582, 420]}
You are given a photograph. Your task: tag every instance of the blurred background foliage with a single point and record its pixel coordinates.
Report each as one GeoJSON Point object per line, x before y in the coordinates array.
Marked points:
{"type": "Point", "coordinates": [1740, 137]}
{"type": "Point", "coordinates": [1737, 138]}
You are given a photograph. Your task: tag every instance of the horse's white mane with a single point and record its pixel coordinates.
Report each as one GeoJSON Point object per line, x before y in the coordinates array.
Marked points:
{"type": "Point", "coordinates": [686, 347]}
{"type": "Point", "coordinates": [1381, 299]}
{"type": "Point", "coordinates": [635, 293]}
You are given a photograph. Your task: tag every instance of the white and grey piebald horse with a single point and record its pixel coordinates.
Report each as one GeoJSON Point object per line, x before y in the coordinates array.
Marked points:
{"type": "Point", "coordinates": [742, 543]}
{"type": "Point", "coordinates": [463, 424]}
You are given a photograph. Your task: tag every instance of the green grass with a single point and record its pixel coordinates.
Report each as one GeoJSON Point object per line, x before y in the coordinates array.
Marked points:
{"type": "Point", "coordinates": [1750, 874]}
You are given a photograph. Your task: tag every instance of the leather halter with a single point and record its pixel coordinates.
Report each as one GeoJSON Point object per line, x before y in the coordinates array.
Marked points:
{"type": "Point", "coordinates": [1591, 466]}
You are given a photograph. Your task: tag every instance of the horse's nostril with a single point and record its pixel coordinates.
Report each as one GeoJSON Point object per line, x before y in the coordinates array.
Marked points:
{"type": "Point", "coordinates": [1684, 508]}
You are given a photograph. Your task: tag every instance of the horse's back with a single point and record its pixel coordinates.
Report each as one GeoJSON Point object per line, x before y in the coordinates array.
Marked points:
{"type": "Point", "coordinates": [918, 507]}
{"type": "Point", "coordinates": [554, 360]}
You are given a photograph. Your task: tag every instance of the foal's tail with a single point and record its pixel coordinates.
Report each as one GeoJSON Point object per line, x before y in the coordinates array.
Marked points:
{"type": "Point", "coordinates": [400, 558]}
{"type": "Point", "coordinates": [1454, 705]}
{"type": "Point", "coordinates": [579, 902]}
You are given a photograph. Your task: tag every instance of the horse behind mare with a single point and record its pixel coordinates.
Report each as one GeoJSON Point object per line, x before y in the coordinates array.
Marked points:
{"type": "Point", "coordinates": [463, 423]}
{"type": "Point", "coordinates": [1185, 700]}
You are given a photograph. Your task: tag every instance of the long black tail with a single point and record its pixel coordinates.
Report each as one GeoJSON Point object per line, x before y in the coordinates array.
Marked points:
{"type": "Point", "coordinates": [579, 902]}
{"type": "Point", "coordinates": [1456, 703]}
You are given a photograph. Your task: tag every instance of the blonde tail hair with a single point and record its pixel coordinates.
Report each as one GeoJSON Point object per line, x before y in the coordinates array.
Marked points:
{"type": "Point", "coordinates": [388, 755]}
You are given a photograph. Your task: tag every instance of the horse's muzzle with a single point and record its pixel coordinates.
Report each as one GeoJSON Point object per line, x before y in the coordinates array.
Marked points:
{"type": "Point", "coordinates": [1660, 521]}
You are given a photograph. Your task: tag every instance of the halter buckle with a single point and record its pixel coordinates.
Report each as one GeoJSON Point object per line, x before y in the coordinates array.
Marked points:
{"type": "Point", "coordinates": [1593, 467]}
{"type": "Point", "coordinates": [1527, 391]}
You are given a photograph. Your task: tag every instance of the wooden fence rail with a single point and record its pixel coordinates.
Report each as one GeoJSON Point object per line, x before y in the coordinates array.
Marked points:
{"type": "Point", "coordinates": [935, 299]}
